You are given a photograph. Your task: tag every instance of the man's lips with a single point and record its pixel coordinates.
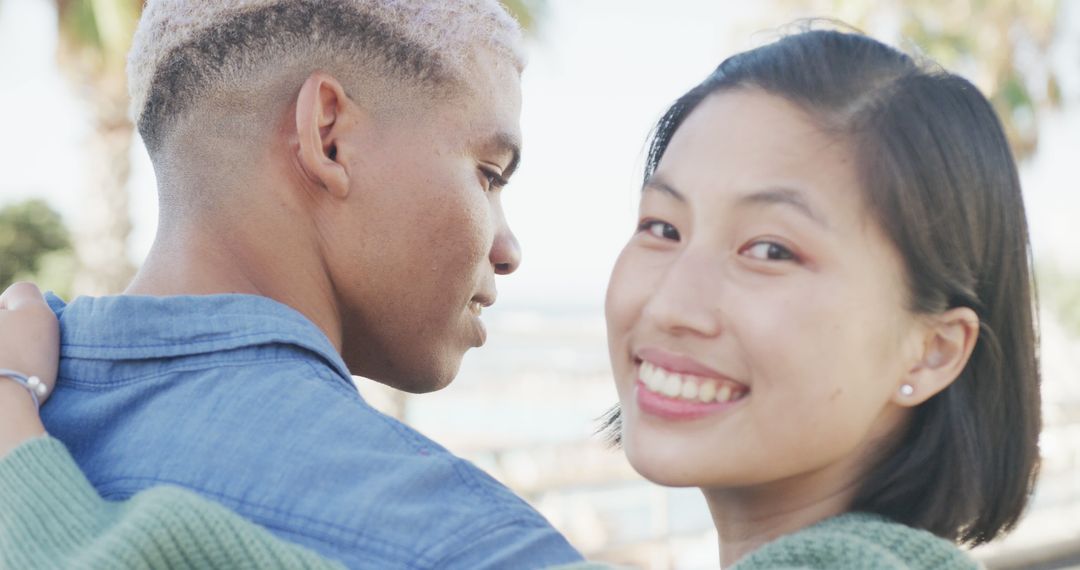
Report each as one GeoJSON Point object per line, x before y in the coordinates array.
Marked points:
{"type": "Point", "coordinates": [476, 306]}
{"type": "Point", "coordinates": [479, 302]}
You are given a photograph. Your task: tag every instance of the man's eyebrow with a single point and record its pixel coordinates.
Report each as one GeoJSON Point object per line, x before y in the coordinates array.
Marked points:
{"type": "Point", "coordinates": [660, 185]}
{"type": "Point", "coordinates": [784, 196]}
{"type": "Point", "coordinates": [505, 143]}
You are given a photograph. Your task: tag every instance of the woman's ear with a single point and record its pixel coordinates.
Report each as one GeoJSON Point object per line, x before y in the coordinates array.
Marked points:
{"type": "Point", "coordinates": [947, 344]}
{"type": "Point", "coordinates": [322, 110]}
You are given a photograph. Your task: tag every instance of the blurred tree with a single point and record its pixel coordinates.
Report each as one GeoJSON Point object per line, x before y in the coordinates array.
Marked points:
{"type": "Point", "coordinates": [529, 13]}
{"type": "Point", "coordinates": [29, 232]}
{"type": "Point", "coordinates": [1000, 45]}
{"type": "Point", "coordinates": [94, 39]}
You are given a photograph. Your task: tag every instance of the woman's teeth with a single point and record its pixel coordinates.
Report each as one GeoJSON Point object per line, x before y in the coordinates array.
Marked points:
{"type": "Point", "coordinates": [688, 387]}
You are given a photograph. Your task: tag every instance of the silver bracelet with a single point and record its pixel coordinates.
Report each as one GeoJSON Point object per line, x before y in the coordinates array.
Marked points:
{"type": "Point", "coordinates": [33, 384]}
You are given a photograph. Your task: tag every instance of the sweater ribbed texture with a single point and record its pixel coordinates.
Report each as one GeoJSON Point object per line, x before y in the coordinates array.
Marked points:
{"type": "Point", "coordinates": [50, 517]}
{"type": "Point", "coordinates": [858, 541]}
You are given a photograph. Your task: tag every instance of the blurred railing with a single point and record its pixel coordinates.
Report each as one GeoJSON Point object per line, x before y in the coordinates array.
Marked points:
{"type": "Point", "coordinates": [525, 410]}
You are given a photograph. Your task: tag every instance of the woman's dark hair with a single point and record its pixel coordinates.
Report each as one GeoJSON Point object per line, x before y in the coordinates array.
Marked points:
{"type": "Point", "coordinates": [939, 178]}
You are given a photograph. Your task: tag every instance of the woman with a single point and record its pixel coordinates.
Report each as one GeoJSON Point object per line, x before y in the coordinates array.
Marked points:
{"type": "Point", "coordinates": [824, 319]}
{"type": "Point", "coordinates": [827, 307]}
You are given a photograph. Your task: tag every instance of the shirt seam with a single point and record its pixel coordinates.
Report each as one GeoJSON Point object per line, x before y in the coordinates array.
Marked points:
{"type": "Point", "coordinates": [495, 522]}
{"type": "Point", "coordinates": [334, 381]}
{"type": "Point", "coordinates": [274, 337]}
{"type": "Point", "coordinates": [464, 471]}
{"type": "Point", "coordinates": [90, 385]}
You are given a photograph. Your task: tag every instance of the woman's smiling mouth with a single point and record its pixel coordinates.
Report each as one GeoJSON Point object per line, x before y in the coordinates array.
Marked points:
{"type": "Point", "coordinates": [681, 396]}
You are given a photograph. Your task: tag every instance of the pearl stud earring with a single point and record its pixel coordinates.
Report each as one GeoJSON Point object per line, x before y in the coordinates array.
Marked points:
{"type": "Point", "coordinates": [907, 390]}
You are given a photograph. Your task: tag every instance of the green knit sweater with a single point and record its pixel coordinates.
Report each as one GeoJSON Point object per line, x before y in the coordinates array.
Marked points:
{"type": "Point", "coordinates": [858, 541]}
{"type": "Point", "coordinates": [50, 517]}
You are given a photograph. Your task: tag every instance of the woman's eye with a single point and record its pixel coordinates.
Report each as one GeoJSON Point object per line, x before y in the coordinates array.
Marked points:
{"type": "Point", "coordinates": [662, 230]}
{"type": "Point", "coordinates": [769, 251]}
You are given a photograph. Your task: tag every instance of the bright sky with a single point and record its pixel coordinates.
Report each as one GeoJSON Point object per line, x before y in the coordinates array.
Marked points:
{"type": "Point", "coordinates": [601, 72]}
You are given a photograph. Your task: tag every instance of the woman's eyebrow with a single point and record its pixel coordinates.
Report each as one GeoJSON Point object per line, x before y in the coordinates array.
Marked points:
{"type": "Point", "coordinates": [658, 184]}
{"type": "Point", "coordinates": [768, 196]}
{"type": "Point", "coordinates": [787, 197]}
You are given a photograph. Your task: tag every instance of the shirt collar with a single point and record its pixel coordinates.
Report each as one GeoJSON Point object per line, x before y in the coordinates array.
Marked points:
{"type": "Point", "coordinates": [131, 327]}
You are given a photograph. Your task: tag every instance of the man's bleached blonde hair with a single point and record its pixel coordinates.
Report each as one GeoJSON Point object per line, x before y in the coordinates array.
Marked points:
{"type": "Point", "coordinates": [188, 51]}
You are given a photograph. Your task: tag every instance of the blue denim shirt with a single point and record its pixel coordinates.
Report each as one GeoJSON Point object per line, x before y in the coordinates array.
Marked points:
{"type": "Point", "coordinates": [244, 401]}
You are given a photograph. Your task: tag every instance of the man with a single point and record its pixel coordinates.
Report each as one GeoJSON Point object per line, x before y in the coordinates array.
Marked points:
{"type": "Point", "coordinates": [329, 176]}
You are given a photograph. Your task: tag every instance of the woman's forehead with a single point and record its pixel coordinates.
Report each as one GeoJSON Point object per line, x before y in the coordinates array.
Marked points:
{"type": "Point", "coordinates": [747, 146]}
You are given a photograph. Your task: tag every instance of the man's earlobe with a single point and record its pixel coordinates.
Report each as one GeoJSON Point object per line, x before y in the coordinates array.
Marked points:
{"type": "Point", "coordinates": [320, 109]}
{"type": "Point", "coordinates": [948, 344]}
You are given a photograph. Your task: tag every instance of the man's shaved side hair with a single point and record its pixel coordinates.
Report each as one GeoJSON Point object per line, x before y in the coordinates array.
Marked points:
{"type": "Point", "coordinates": [223, 53]}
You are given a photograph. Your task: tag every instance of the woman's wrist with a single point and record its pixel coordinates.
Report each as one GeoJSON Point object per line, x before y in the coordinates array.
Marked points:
{"type": "Point", "coordinates": [19, 419]}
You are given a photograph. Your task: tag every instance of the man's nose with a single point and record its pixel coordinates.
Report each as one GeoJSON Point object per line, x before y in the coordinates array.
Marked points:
{"type": "Point", "coordinates": [505, 250]}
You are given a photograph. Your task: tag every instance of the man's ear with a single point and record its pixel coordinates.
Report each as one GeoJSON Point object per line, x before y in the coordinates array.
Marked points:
{"type": "Point", "coordinates": [947, 345]}
{"type": "Point", "coordinates": [322, 109]}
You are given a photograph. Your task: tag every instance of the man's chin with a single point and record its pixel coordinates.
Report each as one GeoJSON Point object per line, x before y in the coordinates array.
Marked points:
{"type": "Point", "coordinates": [426, 381]}
{"type": "Point", "coordinates": [424, 387]}
{"type": "Point", "coordinates": [419, 375]}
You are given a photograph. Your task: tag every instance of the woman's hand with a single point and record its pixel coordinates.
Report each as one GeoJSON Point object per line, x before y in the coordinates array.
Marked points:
{"type": "Point", "coordinates": [30, 344]}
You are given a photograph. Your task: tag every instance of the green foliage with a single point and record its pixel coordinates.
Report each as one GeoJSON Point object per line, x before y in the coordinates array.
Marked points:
{"type": "Point", "coordinates": [529, 13]}
{"type": "Point", "coordinates": [79, 23]}
{"type": "Point", "coordinates": [984, 40]}
{"type": "Point", "coordinates": [1002, 46]}
{"type": "Point", "coordinates": [95, 35]}
{"type": "Point", "coordinates": [34, 244]}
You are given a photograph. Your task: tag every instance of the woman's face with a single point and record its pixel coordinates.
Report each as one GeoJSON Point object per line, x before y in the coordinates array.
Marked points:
{"type": "Point", "coordinates": [756, 319]}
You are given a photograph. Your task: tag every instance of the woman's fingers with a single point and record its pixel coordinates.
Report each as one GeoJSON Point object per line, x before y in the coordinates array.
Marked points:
{"type": "Point", "coordinates": [29, 334]}
{"type": "Point", "coordinates": [20, 295]}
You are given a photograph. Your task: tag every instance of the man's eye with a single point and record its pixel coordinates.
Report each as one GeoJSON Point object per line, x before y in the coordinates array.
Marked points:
{"type": "Point", "coordinates": [769, 251]}
{"type": "Point", "coordinates": [495, 181]}
{"type": "Point", "coordinates": [662, 230]}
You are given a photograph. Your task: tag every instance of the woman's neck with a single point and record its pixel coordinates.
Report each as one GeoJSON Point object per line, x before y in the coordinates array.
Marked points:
{"type": "Point", "coordinates": [748, 518]}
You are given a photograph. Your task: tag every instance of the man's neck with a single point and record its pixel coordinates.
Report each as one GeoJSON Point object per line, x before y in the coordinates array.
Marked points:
{"type": "Point", "coordinates": [211, 261]}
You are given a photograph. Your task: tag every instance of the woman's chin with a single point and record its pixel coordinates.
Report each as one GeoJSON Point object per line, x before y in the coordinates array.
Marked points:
{"type": "Point", "coordinates": [666, 466]}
